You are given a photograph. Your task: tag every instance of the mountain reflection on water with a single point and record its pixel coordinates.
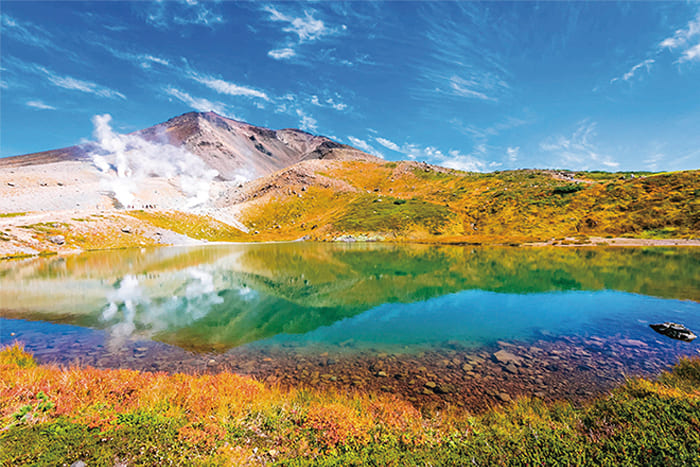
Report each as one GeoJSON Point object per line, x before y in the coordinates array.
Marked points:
{"type": "Point", "coordinates": [222, 296]}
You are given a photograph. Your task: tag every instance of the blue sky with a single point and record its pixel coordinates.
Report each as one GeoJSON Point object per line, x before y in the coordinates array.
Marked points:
{"type": "Point", "coordinates": [475, 86]}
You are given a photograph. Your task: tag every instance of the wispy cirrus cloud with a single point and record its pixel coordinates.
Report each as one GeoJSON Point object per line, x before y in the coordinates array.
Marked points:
{"type": "Point", "coordinates": [39, 105]}
{"type": "Point", "coordinates": [463, 60]}
{"type": "Point", "coordinates": [466, 162]}
{"type": "Point", "coordinates": [228, 88]}
{"type": "Point", "coordinates": [170, 14]}
{"type": "Point", "coordinates": [306, 122]}
{"type": "Point", "coordinates": [300, 29]}
{"type": "Point", "coordinates": [143, 60]}
{"type": "Point", "coordinates": [476, 86]}
{"type": "Point", "coordinates": [578, 151]}
{"type": "Point", "coordinates": [453, 159]}
{"type": "Point", "coordinates": [331, 102]}
{"type": "Point", "coordinates": [388, 144]}
{"type": "Point", "coordinates": [103, 21]}
{"type": "Point", "coordinates": [63, 81]}
{"type": "Point", "coordinates": [646, 64]}
{"type": "Point", "coordinates": [686, 40]}
{"type": "Point", "coordinates": [74, 84]}
{"type": "Point", "coordinates": [197, 103]}
{"type": "Point", "coordinates": [365, 146]}
{"type": "Point", "coordinates": [27, 33]}
{"type": "Point", "coordinates": [306, 27]}
{"type": "Point", "coordinates": [483, 134]}
{"type": "Point", "coordinates": [282, 54]}
{"type": "Point", "coordinates": [289, 104]}
{"type": "Point", "coordinates": [513, 153]}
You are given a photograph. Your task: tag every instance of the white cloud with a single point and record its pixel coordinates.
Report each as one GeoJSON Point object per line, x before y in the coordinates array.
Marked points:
{"type": "Point", "coordinates": [464, 46]}
{"type": "Point", "coordinates": [627, 76]}
{"type": "Point", "coordinates": [454, 159]}
{"type": "Point", "coordinates": [306, 28]}
{"type": "Point", "coordinates": [62, 81]}
{"type": "Point", "coordinates": [682, 36]}
{"type": "Point", "coordinates": [143, 60]}
{"type": "Point", "coordinates": [282, 54]}
{"type": "Point", "coordinates": [166, 15]}
{"type": "Point", "coordinates": [307, 122]}
{"type": "Point", "coordinates": [74, 84]}
{"type": "Point", "coordinates": [687, 39]}
{"type": "Point", "coordinates": [388, 144]}
{"type": "Point", "coordinates": [513, 153]}
{"type": "Point", "coordinates": [40, 105]}
{"type": "Point", "coordinates": [224, 87]}
{"type": "Point", "coordinates": [336, 105]}
{"type": "Point", "coordinates": [470, 87]}
{"type": "Point", "coordinates": [693, 53]}
{"type": "Point", "coordinates": [364, 146]}
{"type": "Point", "coordinates": [466, 162]}
{"type": "Point", "coordinates": [27, 33]}
{"type": "Point", "coordinates": [329, 102]}
{"type": "Point", "coordinates": [300, 28]}
{"type": "Point", "coordinates": [197, 103]}
{"type": "Point", "coordinates": [578, 151]}
{"type": "Point", "coordinates": [153, 59]}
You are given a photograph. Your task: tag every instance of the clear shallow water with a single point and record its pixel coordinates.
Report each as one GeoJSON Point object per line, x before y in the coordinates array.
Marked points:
{"type": "Point", "coordinates": [250, 307]}
{"type": "Point", "coordinates": [476, 317]}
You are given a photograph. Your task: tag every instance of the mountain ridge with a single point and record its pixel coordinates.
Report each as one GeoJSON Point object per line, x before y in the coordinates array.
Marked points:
{"type": "Point", "coordinates": [224, 144]}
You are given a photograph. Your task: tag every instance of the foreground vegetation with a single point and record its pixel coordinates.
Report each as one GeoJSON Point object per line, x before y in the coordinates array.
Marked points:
{"type": "Point", "coordinates": [52, 416]}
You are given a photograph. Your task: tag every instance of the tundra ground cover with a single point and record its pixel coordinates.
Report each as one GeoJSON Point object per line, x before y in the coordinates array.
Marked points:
{"type": "Point", "coordinates": [51, 415]}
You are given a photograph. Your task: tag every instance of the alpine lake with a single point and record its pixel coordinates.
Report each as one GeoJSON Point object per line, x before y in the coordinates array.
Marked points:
{"type": "Point", "coordinates": [438, 325]}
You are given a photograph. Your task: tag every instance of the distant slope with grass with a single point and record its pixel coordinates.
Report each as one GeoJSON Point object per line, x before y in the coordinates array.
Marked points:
{"type": "Point", "coordinates": [331, 199]}
{"type": "Point", "coordinates": [412, 201]}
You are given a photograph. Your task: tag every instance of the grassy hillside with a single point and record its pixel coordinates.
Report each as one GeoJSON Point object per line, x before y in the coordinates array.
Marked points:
{"type": "Point", "coordinates": [393, 201]}
{"type": "Point", "coordinates": [411, 201]}
{"type": "Point", "coordinates": [58, 416]}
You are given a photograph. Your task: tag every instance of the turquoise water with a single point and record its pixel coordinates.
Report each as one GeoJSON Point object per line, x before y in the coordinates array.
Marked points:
{"type": "Point", "coordinates": [382, 297]}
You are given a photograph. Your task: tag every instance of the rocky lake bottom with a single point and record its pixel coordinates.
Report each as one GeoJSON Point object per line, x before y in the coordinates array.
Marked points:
{"type": "Point", "coordinates": [573, 368]}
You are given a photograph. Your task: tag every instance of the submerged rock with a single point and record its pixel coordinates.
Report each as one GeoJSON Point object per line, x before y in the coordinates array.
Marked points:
{"type": "Point", "coordinates": [674, 331]}
{"type": "Point", "coordinates": [505, 357]}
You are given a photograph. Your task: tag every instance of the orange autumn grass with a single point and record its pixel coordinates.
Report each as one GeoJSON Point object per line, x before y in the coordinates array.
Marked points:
{"type": "Point", "coordinates": [58, 416]}
{"type": "Point", "coordinates": [205, 407]}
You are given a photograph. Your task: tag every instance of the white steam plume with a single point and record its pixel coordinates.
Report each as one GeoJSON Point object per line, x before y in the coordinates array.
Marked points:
{"type": "Point", "coordinates": [125, 160]}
